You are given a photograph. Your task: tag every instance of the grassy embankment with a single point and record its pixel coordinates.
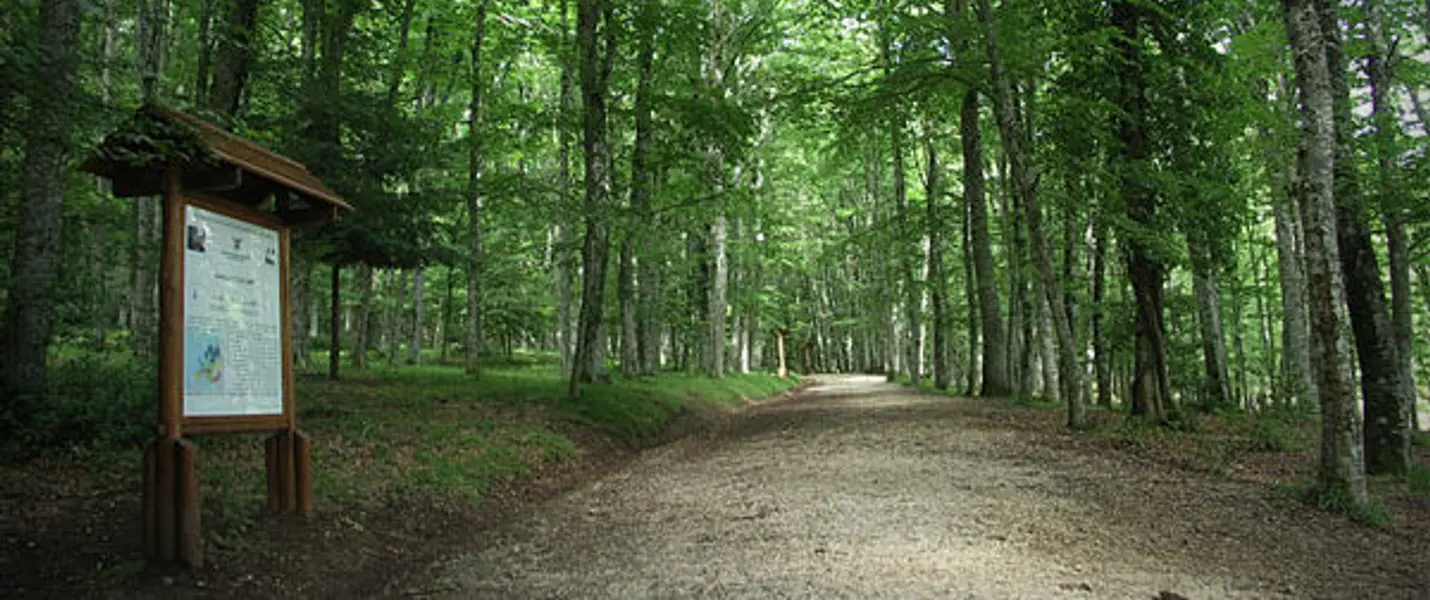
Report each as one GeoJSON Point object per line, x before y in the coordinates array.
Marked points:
{"type": "Point", "coordinates": [421, 437]}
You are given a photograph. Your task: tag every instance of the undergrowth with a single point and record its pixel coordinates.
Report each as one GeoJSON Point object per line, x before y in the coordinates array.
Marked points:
{"type": "Point", "coordinates": [1338, 500]}
{"type": "Point", "coordinates": [1419, 482]}
{"type": "Point", "coordinates": [425, 434]}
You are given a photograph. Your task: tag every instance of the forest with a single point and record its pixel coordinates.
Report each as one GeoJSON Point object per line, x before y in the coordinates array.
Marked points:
{"type": "Point", "coordinates": [1168, 209]}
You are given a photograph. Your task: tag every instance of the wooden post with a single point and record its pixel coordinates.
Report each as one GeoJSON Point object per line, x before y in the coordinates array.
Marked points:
{"type": "Point", "coordinates": [274, 453]}
{"type": "Point", "coordinates": [150, 499]}
{"type": "Point", "coordinates": [302, 475]}
{"type": "Point", "coordinates": [190, 537]}
{"type": "Point", "coordinates": [164, 510]}
{"type": "Point", "coordinates": [171, 310]}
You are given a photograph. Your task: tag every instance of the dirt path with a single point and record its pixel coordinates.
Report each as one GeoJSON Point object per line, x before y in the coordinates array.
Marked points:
{"type": "Point", "coordinates": [860, 489]}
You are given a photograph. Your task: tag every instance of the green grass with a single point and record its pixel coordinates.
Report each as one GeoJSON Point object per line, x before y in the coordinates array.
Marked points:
{"type": "Point", "coordinates": [427, 434]}
{"type": "Point", "coordinates": [1419, 482]}
{"type": "Point", "coordinates": [1420, 438]}
{"type": "Point", "coordinates": [1338, 501]}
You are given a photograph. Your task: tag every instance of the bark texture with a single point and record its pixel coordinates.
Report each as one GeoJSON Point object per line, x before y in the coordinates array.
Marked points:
{"type": "Point", "coordinates": [595, 82]}
{"type": "Point", "coordinates": [233, 60]}
{"type": "Point", "coordinates": [476, 157]}
{"type": "Point", "coordinates": [34, 264]}
{"type": "Point", "coordinates": [1342, 466]}
{"type": "Point", "coordinates": [996, 382]}
{"type": "Point", "coordinates": [1025, 180]}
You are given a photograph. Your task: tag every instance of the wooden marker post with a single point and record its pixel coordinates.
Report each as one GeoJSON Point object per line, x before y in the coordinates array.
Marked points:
{"type": "Point", "coordinates": [225, 344]}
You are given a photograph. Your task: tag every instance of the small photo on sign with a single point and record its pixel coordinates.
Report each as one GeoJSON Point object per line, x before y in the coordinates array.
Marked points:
{"type": "Point", "coordinates": [198, 238]}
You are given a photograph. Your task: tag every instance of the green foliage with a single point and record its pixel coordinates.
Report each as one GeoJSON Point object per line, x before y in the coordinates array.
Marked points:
{"type": "Point", "coordinates": [1419, 481]}
{"type": "Point", "coordinates": [1274, 435]}
{"type": "Point", "coordinates": [1339, 501]}
{"type": "Point", "coordinates": [96, 401]}
{"type": "Point", "coordinates": [1420, 438]}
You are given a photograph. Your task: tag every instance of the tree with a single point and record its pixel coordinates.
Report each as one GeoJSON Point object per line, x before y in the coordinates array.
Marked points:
{"type": "Point", "coordinates": [593, 17]}
{"type": "Point", "coordinates": [232, 62]}
{"type": "Point", "coordinates": [1342, 469]}
{"type": "Point", "coordinates": [1024, 180]}
{"type": "Point", "coordinates": [34, 264]}
{"type": "Point", "coordinates": [475, 160]}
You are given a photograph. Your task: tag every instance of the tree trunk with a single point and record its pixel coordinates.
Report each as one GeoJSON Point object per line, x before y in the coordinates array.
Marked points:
{"type": "Point", "coordinates": [631, 298]}
{"type": "Point", "coordinates": [364, 321]}
{"type": "Point", "coordinates": [1342, 468]}
{"type": "Point", "coordinates": [780, 353]}
{"type": "Point", "coordinates": [1385, 116]}
{"type": "Point", "coordinates": [938, 284]}
{"type": "Point", "coordinates": [335, 311]}
{"type": "Point", "coordinates": [564, 243]}
{"type": "Point", "coordinates": [204, 68]}
{"type": "Point", "coordinates": [1101, 359]}
{"type": "Point", "coordinates": [233, 60]}
{"type": "Point", "coordinates": [913, 291]}
{"type": "Point", "coordinates": [34, 264]}
{"type": "Point", "coordinates": [995, 346]}
{"type": "Point", "coordinates": [1383, 385]}
{"type": "Point", "coordinates": [476, 155]}
{"type": "Point", "coordinates": [970, 293]}
{"type": "Point", "coordinates": [1025, 179]}
{"type": "Point", "coordinates": [716, 352]}
{"type": "Point", "coordinates": [1046, 352]}
{"type": "Point", "coordinates": [1218, 381]}
{"type": "Point", "coordinates": [414, 349]}
{"type": "Point", "coordinates": [1297, 384]}
{"type": "Point", "coordinates": [595, 81]}
{"type": "Point", "coordinates": [1151, 392]}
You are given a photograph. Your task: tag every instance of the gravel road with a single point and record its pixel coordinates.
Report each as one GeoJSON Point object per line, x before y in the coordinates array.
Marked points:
{"type": "Point", "coordinates": [862, 489]}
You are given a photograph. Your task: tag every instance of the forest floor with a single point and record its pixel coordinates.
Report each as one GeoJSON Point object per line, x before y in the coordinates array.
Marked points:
{"type": "Point", "coordinates": [865, 489]}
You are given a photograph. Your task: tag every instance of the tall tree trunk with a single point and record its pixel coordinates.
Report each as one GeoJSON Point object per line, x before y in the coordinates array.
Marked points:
{"type": "Point", "coordinates": [144, 275]}
{"type": "Point", "coordinates": [913, 291]}
{"type": "Point", "coordinates": [717, 302]}
{"type": "Point", "coordinates": [476, 155]}
{"type": "Point", "coordinates": [1383, 384]}
{"type": "Point", "coordinates": [414, 349]}
{"type": "Point", "coordinates": [595, 82]}
{"type": "Point", "coordinates": [34, 263]}
{"type": "Point", "coordinates": [335, 331]}
{"type": "Point", "coordinates": [996, 381]}
{"type": "Point", "coordinates": [1342, 468]}
{"type": "Point", "coordinates": [1385, 116]}
{"type": "Point", "coordinates": [233, 60]}
{"type": "Point", "coordinates": [970, 294]}
{"type": "Point", "coordinates": [394, 318]}
{"type": "Point", "coordinates": [364, 320]}
{"type": "Point", "coordinates": [938, 284]}
{"type": "Point", "coordinates": [205, 60]}
{"type": "Point", "coordinates": [1046, 352]}
{"type": "Point", "coordinates": [1214, 359]}
{"type": "Point", "coordinates": [1025, 179]}
{"type": "Point", "coordinates": [1297, 385]}
{"type": "Point", "coordinates": [632, 299]}
{"type": "Point", "coordinates": [1151, 392]}
{"type": "Point", "coordinates": [399, 62]}
{"type": "Point", "coordinates": [1101, 358]}
{"type": "Point", "coordinates": [563, 256]}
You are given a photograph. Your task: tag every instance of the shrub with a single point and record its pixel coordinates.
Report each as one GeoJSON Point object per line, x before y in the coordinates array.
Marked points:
{"type": "Point", "coordinates": [99, 401]}
{"type": "Point", "coordinates": [1272, 435]}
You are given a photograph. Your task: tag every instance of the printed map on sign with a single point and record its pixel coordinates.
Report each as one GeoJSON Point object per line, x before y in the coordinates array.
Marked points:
{"type": "Point", "coordinates": [233, 336]}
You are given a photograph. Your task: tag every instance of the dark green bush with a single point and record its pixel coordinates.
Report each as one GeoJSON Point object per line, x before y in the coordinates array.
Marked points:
{"type": "Point", "coordinates": [100, 401]}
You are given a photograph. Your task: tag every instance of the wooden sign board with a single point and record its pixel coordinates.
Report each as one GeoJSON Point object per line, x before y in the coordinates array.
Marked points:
{"type": "Point", "coordinates": [236, 321]}
{"type": "Point", "coordinates": [225, 313]}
